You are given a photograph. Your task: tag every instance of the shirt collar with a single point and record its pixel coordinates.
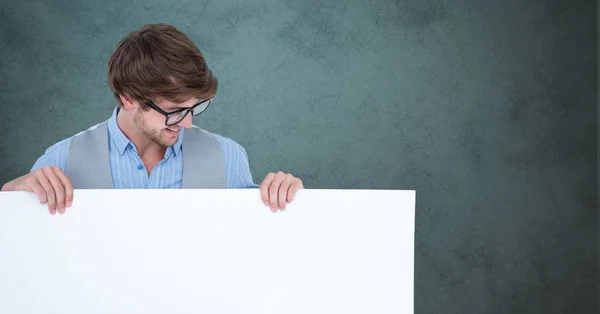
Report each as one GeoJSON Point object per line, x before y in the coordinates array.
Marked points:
{"type": "Point", "coordinates": [122, 142]}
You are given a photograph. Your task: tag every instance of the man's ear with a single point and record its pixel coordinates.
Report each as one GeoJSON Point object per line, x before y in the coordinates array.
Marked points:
{"type": "Point", "coordinates": [128, 102]}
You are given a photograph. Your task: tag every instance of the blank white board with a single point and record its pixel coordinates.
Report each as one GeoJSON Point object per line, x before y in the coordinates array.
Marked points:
{"type": "Point", "coordinates": [208, 251]}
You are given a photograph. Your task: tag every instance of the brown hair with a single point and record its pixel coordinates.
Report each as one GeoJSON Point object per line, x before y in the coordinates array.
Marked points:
{"type": "Point", "coordinates": [159, 61]}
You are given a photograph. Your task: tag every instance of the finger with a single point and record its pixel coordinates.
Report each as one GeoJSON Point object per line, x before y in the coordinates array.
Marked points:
{"type": "Point", "coordinates": [39, 191]}
{"type": "Point", "coordinates": [59, 189]}
{"type": "Point", "coordinates": [274, 189]}
{"type": "Point", "coordinates": [67, 184]}
{"type": "Point", "coordinates": [51, 198]}
{"type": "Point", "coordinates": [293, 189]}
{"type": "Point", "coordinates": [264, 188]}
{"type": "Point", "coordinates": [283, 190]}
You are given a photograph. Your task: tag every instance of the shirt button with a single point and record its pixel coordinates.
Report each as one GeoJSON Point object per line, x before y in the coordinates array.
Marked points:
{"type": "Point", "coordinates": [140, 167]}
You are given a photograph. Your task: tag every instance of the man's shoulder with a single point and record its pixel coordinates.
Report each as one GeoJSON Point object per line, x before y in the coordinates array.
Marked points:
{"type": "Point", "coordinates": [66, 142]}
{"type": "Point", "coordinates": [60, 145]}
{"type": "Point", "coordinates": [94, 127]}
{"type": "Point", "coordinates": [57, 154]}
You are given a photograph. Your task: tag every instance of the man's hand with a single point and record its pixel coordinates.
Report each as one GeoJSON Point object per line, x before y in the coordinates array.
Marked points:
{"type": "Point", "coordinates": [278, 189]}
{"type": "Point", "coordinates": [50, 184]}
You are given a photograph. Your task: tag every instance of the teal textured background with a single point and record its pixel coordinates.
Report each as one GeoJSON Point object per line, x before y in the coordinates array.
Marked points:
{"type": "Point", "coordinates": [486, 109]}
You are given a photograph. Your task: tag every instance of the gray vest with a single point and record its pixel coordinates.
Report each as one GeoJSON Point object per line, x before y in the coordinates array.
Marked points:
{"type": "Point", "coordinates": [88, 164]}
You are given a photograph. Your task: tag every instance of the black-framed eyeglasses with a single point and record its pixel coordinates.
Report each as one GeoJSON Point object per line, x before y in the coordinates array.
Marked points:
{"type": "Point", "coordinates": [174, 117]}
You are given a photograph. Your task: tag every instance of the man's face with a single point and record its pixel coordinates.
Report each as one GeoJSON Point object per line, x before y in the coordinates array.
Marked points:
{"type": "Point", "coordinates": [152, 123]}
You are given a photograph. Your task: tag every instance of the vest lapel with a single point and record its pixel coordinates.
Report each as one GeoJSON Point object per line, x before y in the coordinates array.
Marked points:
{"type": "Point", "coordinates": [203, 165]}
{"type": "Point", "coordinates": [88, 164]}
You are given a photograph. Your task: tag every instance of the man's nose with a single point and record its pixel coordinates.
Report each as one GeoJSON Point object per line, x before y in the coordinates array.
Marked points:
{"type": "Point", "coordinates": [186, 122]}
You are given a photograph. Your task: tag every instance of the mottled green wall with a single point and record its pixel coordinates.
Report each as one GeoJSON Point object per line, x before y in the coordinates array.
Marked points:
{"type": "Point", "coordinates": [486, 108]}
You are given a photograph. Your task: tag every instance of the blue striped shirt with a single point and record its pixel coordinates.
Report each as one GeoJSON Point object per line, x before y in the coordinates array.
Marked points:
{"type": "Point", "coordinates": [128, 170]}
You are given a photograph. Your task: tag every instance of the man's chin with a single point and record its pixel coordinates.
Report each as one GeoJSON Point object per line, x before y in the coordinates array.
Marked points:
{"type": "Point", "coordinates": [169, 140]}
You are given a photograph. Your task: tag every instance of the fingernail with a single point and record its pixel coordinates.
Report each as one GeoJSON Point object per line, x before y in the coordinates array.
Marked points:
{"type": "Point", "coordinates": [69, 203]}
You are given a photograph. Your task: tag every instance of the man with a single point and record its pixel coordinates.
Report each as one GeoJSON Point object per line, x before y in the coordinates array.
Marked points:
{"type": "Point", "coordinates": [159, 79]}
